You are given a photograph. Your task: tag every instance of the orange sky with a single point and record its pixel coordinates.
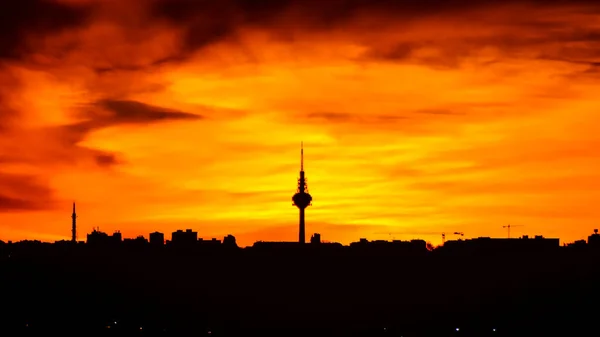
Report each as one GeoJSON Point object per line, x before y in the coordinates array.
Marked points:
{"type": "Point", "coordinates": [416, 120]}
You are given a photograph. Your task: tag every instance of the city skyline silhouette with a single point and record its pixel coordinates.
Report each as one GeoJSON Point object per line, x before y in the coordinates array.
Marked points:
{"type": "Point", "coordinates": [116, 286]}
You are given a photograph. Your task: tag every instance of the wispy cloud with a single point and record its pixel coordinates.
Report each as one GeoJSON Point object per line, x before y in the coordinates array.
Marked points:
{"type": "Point", "coordinates": [23, 193]}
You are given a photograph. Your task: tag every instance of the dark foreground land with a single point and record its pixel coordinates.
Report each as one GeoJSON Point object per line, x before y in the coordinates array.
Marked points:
{"type": "Point", "coordinates": [310, 292]}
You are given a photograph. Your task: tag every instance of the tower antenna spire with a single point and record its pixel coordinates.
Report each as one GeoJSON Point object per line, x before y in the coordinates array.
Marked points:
{"type": "Point", "coordinates": [301, 156]}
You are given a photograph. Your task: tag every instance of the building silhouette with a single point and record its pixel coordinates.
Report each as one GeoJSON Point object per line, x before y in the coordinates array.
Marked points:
{"type": "Point", "coordinates": [524, 244]}
{"type": "Point", "coordinates": [594, 240]}
{"type": "Point", "coordinates": [157, 239]}
{"type": "Point", "coordinates": [229, 241]}
{"type": "Point", "coordinates": [315, 238]}
{"type": "Point", "coordinates": [181, 238]}
{"type": "Point", "coordinates": [302, 198]}
{"type": "Point", "coordinates": [212, 243]}
{"type": "Point", "coordinates": [139, 242]}
{"type": "Point", "coordinates": [99, 238]}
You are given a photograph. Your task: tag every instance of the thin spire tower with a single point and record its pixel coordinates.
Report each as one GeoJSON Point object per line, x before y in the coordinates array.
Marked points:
{"type": "Point", "coordinates": [301, 156]}
{"type": "Point", "coordinates": [74, 225]}
{"type": "Point", "coordinates": [302, 198]}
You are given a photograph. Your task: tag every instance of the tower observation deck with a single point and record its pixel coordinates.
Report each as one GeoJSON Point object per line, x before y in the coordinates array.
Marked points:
{"type": "Point", "coordinates": [302, 198]}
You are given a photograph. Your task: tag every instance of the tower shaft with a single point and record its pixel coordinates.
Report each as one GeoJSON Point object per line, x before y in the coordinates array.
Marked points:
{"type": "Point", "coordinates": [302, 230]}
{"type": "Point", "coordinates": [74, 225]}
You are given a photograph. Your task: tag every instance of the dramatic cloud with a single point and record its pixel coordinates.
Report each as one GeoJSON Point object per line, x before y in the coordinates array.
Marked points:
{"type": "Point", "coordinates": [23, 193]}
{"type": "Point", "coordinates": [124, 112]}
{"type": "Point", "coordinates": [21, 19]}
{"type": "Point", "coordinates": [417, 116]}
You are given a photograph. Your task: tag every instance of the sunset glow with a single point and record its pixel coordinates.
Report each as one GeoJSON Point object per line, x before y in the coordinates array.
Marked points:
{"type": "Point", "coordinates": [416, 120]}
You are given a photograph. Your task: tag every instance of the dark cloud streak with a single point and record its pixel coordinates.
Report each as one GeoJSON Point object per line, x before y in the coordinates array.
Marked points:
{"type": "Point", "coordinates": [339, 117]}
{"type": "Point", "coordinates": [8, 204]}
{"type": "Point", "coordinates": [439, 112]}
{"type": "Point", "coordinates": [23, 193]}
{"type": "Point", "coordinates": [202, 23]}
{"type": "Point", "coordinates": [206, 22]}
{"type": "Point", "coordinates": [23, 18]}
{"type": "Point", "coordinates": [107, 113]}
{"type": "Point", "coordinates": [126, 112]}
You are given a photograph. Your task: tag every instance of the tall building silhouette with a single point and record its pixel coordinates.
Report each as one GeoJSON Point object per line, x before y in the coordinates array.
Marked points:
{"type": "Point", "coordinates": [74, 225]}
{"type": "Point", "coordinates": [302, 199]}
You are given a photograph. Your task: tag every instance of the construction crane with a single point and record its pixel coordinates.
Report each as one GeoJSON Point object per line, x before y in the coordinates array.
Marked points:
{"type": "Point", "coordinates": [455, 233]}
{"type": "Point", "coordinates": [508, 227]}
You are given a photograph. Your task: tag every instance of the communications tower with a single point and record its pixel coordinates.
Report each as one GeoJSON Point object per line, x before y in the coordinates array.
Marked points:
{"type": "Point", "coordinates": [74, 225]}
{"type": "Point", "coordinates": [302, 199]}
